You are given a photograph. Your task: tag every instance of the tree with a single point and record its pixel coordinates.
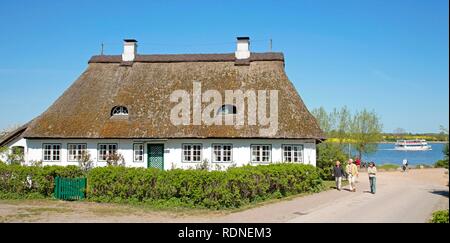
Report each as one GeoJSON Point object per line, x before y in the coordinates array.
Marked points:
{"type": "Point", "coordinates": [323, 119]}
{"type": "Point", "coordinates": [340, 120]}
{"type": "Point", "coordinates": [366, 131]}
{"type": "Point", "coordinates": [115, 159]}
{"type": "Point", "coordinates": [85, 161]}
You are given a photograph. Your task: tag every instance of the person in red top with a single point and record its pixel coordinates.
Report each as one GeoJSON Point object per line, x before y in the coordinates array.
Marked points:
{"type": "Point", "coordinates": [358, 162]}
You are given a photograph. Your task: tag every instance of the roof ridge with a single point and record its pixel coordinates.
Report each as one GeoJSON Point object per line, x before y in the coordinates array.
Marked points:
{"type": "Point", "coordinates": [191, 57]}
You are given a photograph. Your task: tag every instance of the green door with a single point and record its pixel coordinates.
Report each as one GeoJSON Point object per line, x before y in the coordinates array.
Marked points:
{"type": "Point", "coordinates": [155, 156]}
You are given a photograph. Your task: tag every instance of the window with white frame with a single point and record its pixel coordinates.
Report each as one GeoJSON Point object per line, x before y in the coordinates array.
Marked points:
{"type": "Point", "coordinates": [261, 153]}
{"type": "Point", "coordinates": [138, 152]}
{"type": "Point", "coordinates": [75, 151]}
{"type": "Point", "coordinates": [222, 152]}
{"type": "Point", "coordinates": [293, 153]}
{"type": "Point", "coordinates": [192, 152]}
{"type": "Point", "coordinates": [52, 152]}
{"type": "Point", "coordinates": [104, 150]}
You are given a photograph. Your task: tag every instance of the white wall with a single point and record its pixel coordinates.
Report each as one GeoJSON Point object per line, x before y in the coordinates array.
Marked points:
{"type": "Point", "coordinates": [173, 150]}
{"type": "Point", "coordinates": [16, 142]}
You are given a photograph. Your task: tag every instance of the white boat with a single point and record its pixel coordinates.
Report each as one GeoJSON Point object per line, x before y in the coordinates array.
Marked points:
{"type": "Point", "coordinates": [412, 145]}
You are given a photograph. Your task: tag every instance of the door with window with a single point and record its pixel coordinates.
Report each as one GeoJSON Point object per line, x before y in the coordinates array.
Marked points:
{"type": "Point", "coordinates": [155, 156]}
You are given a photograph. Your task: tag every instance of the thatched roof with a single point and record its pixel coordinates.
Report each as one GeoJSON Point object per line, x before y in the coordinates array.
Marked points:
{"type": "Point", "coordinates": [12, 135]}
{"type": "Point", "coordinates": [144, 87]}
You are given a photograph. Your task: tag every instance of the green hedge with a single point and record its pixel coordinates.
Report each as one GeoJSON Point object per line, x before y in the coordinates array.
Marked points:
{"type": "Point", "coordinates": [199, 188]}
{"type": "Point", "coordinates": [194, 188]}
{"type": "Point", "coordinates": [26, 181]}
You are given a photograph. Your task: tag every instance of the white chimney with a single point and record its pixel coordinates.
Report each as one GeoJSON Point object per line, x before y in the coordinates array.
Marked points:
{"type": "Point", "coordinates": [129, 50]}
{"type": "Point", "coordinates": [243, 48]}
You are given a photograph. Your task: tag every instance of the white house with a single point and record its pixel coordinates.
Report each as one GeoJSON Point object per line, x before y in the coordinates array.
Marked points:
{"type": "Point", "coordinates": [134, 105]}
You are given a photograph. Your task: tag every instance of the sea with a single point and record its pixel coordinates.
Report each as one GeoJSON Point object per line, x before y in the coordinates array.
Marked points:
{"type": "Point", "coordinates": [386, 154]}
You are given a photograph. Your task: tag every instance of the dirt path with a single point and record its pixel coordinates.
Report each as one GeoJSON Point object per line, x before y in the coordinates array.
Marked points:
{"type": "Point", "coordinates": [401, 197]}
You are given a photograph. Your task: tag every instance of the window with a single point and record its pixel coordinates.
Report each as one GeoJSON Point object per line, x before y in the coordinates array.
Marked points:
{"type": "Point", "coordinates": [138, 149]}
{"type": "Point", "coordinates": [227, 109]}
{"type": "Point", "coordinates": [75, 151]}
{"type": "Point", "coordinates": [104, 150]}
{"type": "Point", "coordinates": [222, 152]}
{"type": "Point", "coordinates": [192, 152]}
{"type": "Point", "coordinates": [52, 152]}
{"type": "Point", "coordinates": [119, 111]}
{"type": "Point", "coordinates": [293, 153]}
{"type": "Point", "coordinates": [261, 153]}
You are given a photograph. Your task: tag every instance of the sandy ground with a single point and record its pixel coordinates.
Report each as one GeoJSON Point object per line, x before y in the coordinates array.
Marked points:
{"type": "Point", "coordinates": [401, 197]}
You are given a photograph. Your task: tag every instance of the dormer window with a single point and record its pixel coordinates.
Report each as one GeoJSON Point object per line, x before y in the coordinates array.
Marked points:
{"type": "Point", "coordinates": [119, 111]}
{"type": "Point", "coordinates": [227, 110]}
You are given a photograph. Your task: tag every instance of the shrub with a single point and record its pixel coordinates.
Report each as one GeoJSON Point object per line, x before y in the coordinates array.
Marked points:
{"type": "Point", "coordinates": [440, 217]}
{"type": "Point", "coordinates": [193, 188]}
{"type": "Point", "coordinates": [441, 164]}
{"type": "Point", "coordinates": [201, 188]}
{"type": "Point", "coordinates": [328, 153]}
{"type": "Point", "coordinates": [26, 180]}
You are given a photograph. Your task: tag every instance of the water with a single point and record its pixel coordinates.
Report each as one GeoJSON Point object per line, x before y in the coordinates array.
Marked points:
{"type": "Point", "coordinates": [387, 155]}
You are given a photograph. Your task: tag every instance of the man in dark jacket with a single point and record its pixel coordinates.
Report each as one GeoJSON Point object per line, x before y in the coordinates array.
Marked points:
{"type": "Point", "coordinates": [338, 173]}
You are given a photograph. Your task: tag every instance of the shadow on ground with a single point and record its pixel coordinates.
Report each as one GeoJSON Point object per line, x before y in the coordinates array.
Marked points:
{"type": "Point", "coordinates": [440, 192]}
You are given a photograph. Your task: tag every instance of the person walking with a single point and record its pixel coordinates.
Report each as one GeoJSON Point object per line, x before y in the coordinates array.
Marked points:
{"type": "Point", "coordinates": [372, 171]}
{"type": "Point", "coordinates": [405, 165]}
{"type": "Point", "coordinates": [352, 173]}
{"type": "Point", "coordinates": [338, 173]}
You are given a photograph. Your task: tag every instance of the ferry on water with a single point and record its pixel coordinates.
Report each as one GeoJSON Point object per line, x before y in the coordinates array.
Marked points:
{"type": "Point", "coordinates": [412, 145]}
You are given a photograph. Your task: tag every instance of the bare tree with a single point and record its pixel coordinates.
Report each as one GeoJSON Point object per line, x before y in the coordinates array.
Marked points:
{"type": "Point", "coordinates": [115, 159]}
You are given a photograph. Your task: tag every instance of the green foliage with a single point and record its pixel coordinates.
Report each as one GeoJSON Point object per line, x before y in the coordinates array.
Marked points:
{"type": "Point", "coordinates": [443, 163]}
{"type": "Point", "coordinates": [440, 217]}
{"type": "Point", "coordinates": [328, 154]}
{"type": "Point", "coordinates": [25, 180]}
{"type": "Point", "coordinates": [201, 188]}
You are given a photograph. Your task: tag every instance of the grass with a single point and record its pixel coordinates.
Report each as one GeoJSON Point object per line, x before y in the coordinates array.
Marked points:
{"type": "Point", "coordinates": [28, 213]}
{"type": "Point", "coordinates": [388, 167]}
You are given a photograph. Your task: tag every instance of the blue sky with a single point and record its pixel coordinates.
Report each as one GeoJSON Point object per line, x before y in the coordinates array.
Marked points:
{"type": "Point", "coordinates": [387, 56]}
